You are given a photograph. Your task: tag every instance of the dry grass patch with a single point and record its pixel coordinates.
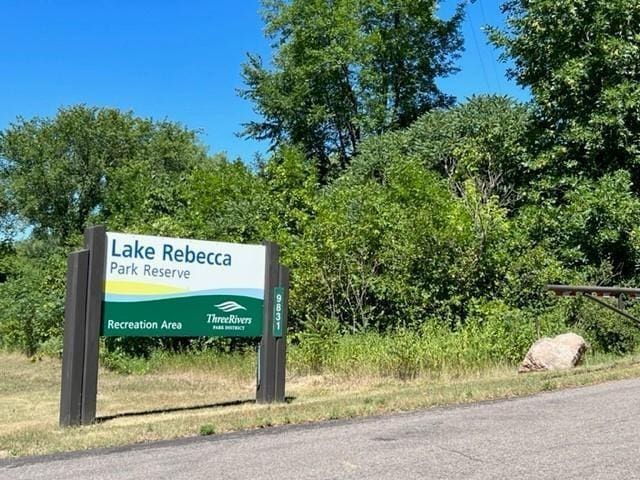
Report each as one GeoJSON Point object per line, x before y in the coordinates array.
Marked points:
{"type": "Point", "coordinates": [29, 395]}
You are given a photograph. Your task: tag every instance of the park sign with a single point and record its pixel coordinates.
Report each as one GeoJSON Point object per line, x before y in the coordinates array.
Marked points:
{"type": "Point", "coordinates": [137, 285]}
{"type": "Point", "coordinates": [160, 286]}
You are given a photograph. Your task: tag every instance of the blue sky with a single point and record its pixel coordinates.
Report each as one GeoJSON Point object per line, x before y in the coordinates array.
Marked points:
{"type": "Point", "coordinates": [176, 60]}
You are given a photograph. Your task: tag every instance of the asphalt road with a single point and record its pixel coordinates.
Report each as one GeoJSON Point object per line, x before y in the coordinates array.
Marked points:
{"type": "Point", "coordinates": [584, 433]}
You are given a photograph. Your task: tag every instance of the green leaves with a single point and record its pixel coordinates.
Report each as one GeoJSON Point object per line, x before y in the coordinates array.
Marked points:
{"type": "Point", "coordinates": [344, 70]}
{"type": "Point", "coordinates": [594, 226]}
{"type": "Point", "coordinates": [394, 209]}
{"type": "Point", "coordinates": [92, 164]}
{"type": "Point", "coordinates": [580, 59]}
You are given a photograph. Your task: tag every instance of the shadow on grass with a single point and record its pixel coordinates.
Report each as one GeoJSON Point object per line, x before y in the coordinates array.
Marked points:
{"type": "Point", "coordinates": [231, 403]}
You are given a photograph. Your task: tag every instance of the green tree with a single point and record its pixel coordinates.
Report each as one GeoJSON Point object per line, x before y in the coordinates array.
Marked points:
{"type": "Point", "coordinates": [594, 229]}
{"type": "Point", "coordinates": [292, 192]}
{"type": "Point", "coordinates": [346, 69]}
{"type": "Point", "coordinates": [481, 147]}
{"type": "Point", "coordinates": [91, 163]}
{"type": "Point", "coordinates": [580, 60]}
{"type": "Point", "coordinates": [32, 297]}
{"type": "Point", "coordinates": [223, 202]}
{"type": "Point", "coordinates": [390, 245]}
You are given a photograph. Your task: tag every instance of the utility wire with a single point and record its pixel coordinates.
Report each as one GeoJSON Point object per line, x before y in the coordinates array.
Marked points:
{"type": "Point", "coordinates": [493, 59]}
{"type": "Point", "coordinates": [475, 41]}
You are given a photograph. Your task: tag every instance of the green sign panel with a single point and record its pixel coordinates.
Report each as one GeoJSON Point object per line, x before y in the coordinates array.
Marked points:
{"type": "Point", "coordinates": [171, 287]}
{"type": "Point", "coordinates": [278, 307]}
{"type": "Point", "coordinates": [202, 315]}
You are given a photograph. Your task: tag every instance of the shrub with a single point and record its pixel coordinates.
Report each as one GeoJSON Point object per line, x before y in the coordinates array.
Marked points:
{"type": "Point", "coordinates": [606, 331]}
{"type": "Point", "coordinates": [32, 299]}
{"type": "Point", "coordinates": [315, 344]}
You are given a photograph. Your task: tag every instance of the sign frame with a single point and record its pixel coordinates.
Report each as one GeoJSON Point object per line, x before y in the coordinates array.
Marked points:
{"type": "Point", "coordinates": [86, 274]}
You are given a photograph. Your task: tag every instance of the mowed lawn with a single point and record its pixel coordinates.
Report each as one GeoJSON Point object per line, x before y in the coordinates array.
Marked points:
{"type": "Point", "coordinates": [181, 400]}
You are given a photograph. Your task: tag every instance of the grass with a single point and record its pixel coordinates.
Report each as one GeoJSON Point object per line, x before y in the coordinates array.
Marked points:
{"type": "Point", "coordinates": [202, 396]}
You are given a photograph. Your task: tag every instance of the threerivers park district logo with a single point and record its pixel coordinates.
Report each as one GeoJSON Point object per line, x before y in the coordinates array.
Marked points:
{"type": "Point", "coordinates": [231, 321]}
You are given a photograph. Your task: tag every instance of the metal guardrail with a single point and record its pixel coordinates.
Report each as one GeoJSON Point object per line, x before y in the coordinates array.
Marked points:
{"type": "Point", "coordinates": [598, 291]}
{"type": "Point", "coordinates": [593, 292]}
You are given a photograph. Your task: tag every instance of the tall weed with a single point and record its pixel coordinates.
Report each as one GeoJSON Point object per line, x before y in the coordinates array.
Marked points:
{"type": "Point", "coordinates": [494, 334]}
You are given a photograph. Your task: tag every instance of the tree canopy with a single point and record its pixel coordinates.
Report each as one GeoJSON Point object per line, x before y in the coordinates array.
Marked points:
{"type": "Point", "coordinates": [89, 162]}
{"type": "Point", "coordinates": [346, 69]}
{"type": "Point", "coordinates": [395, 209]}
{"type": "Point", "coordinates": [580, 60]}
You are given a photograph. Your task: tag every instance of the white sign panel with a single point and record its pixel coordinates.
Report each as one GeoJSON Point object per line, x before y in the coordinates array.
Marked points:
{"type": "Point", "coordinates": [160, 286]}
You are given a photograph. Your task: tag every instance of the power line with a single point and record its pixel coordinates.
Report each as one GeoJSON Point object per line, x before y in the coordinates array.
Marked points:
{"type": "Point", "coordinates": [493, 59]}
{"type": "Point", "coordinates": [477, 45]}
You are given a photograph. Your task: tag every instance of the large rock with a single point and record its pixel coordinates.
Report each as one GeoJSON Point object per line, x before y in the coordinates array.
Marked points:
{"type": "Point", "coordinates": [558, 353]}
